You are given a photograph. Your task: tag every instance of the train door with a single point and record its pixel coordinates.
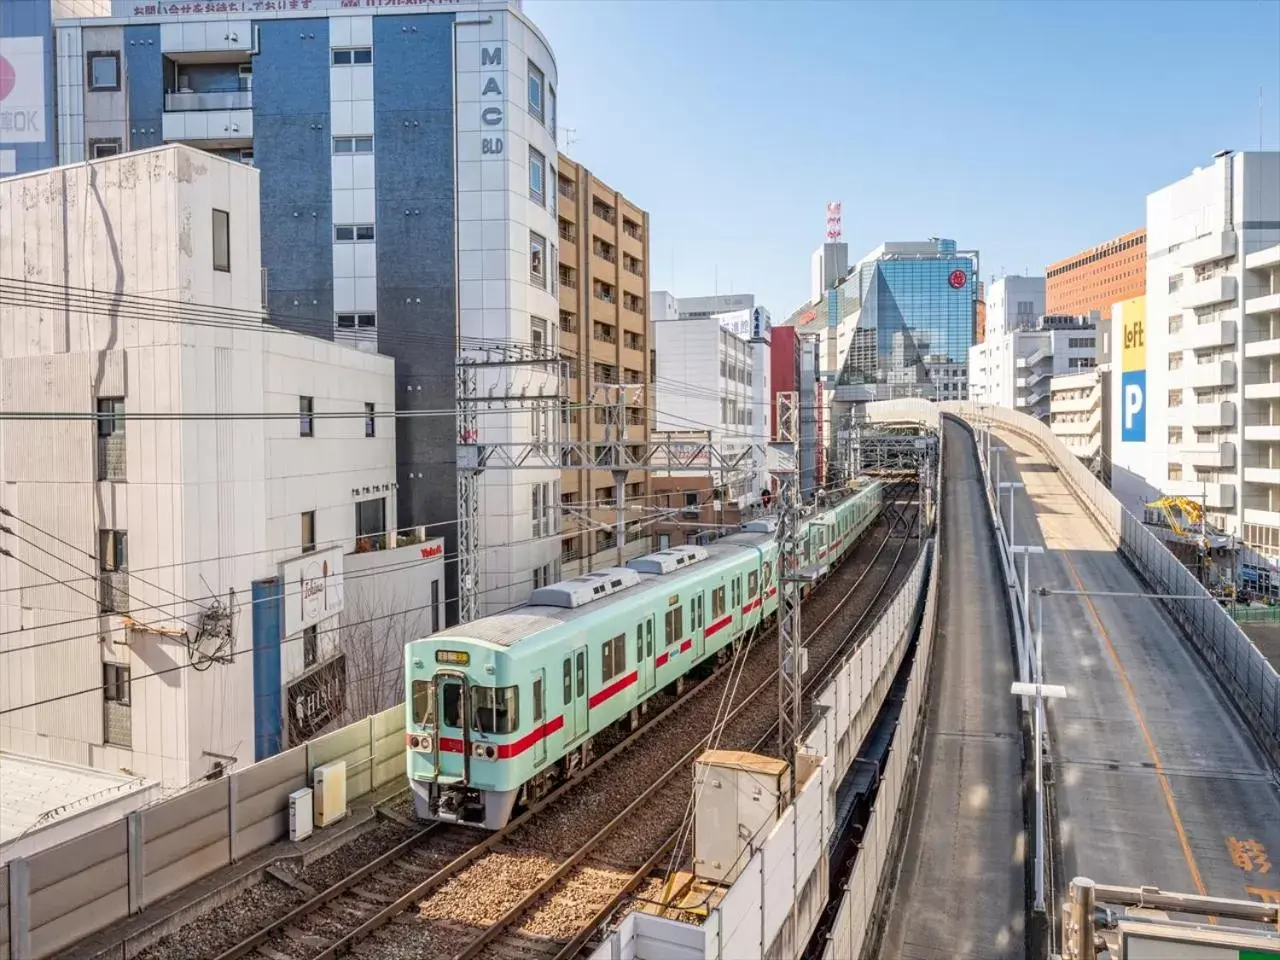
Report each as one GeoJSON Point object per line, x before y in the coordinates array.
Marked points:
{"type": "Point", "coordinates": [581, 718]}
{"type": "Point", "coordinates": [539, 716]}
{"type": "Point", "coordinates": [453, 745]}
{"type": "Point", "coordinates": [644, 656]}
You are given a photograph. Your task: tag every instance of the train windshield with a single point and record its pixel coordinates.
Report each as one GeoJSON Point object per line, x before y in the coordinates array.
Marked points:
{"type": "Point", "coordinates": [496, 710]}
{"type": "Point", "coordinates": [451, 702]}
{"type": "Point", "coordinates": [424, 703]}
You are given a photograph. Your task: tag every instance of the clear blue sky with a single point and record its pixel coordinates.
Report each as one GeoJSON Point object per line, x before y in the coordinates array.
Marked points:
{"type": "Point", "coordinates": [1027, 130]}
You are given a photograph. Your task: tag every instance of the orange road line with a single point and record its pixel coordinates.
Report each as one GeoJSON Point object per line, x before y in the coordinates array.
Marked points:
{"type": "Point", "coordinates": [1146, 733]}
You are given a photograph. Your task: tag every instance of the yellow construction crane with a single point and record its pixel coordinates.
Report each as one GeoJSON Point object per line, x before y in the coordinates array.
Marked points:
{"type": "Point", "coordinates": [1174, 507]}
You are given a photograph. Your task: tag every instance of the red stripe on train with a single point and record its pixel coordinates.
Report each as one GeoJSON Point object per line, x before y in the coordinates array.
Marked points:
{"type": "Point", "coordinates": [752, 605]}
{"type": "Point", "coordinates": [686, 645]}
{"type": "Point", "coordinates": [662, 659]}
{"type": "Point", "coordinates": [617, 686]}
{"type": "Point", "coordinates": [508, 750]}
{"type": "Point", "coordinates": [717, 626]}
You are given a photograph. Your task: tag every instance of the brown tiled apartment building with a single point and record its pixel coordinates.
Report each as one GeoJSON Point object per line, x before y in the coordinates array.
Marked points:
{"type": "Point", "coordinates": [604, 334]}
{"type": "Point", "coordinates": [1096, 278]}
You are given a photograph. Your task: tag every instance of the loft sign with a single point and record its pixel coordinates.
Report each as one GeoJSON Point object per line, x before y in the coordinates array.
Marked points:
{"type": "Point", "coordinates": [492, 101]}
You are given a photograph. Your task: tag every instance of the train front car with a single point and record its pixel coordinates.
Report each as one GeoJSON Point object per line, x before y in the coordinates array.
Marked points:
{"type": "Point", "coordinates": [469, 713]}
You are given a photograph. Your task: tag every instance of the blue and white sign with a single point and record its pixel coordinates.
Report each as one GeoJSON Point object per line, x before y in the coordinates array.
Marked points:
{"type": "Point", "coordinates": [1133, 406]}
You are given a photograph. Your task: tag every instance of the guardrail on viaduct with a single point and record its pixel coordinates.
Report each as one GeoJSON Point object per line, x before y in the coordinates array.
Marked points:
{"type": "Point", "coordinates": [1244, 673]}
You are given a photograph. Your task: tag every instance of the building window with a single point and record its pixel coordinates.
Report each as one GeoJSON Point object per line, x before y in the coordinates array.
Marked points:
{"type": "Point", "coordinates": [310, 646]}
{"type": "Point", "coordinates": [536, 83]}
{"type": "Point", "coordinates": [353, 144]}
{"type": "Point", "coordinates": [113, 562]}
{"type": "Point", "coordinates": [435, 605]}
{"type": "Point", "coordinates": [222, 242]}
{"type": "Point", "coordinates": [352, 56]}
{"type": "Point", "coordinates": [538, 331]}
{"type": "Point", "coordinates": [306, 417]}
{"type": "Point", "coordinates": [117, 726]}
{"type": "Point", "coordinates": [537, 177]}
{"type": "Point", "coordinates": [362, 321]}
{"type": "Point", "coordinates": [111, 454]}
{"type": "Point", "coordinates": [104, 70]}
{"type": "Point", "coordinates": [308, 531]}
{"type": "Point", "coordinates": [370, 421]}
{"type": "Point", "coordinates": [551, 110]}
{"type": "Point", "coordinates": [353, 232]}
{"type": "Point", "coordinates": [371, 523]}
{"type": "Point", "coordinates": [538, 260]}
{"type": "Point", "coordinates": [104, 147]}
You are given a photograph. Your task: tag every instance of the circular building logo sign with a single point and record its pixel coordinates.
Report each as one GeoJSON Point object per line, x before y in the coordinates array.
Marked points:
{"type": "Point", "coordinates": [957, 279]}
{"type": "Point", "coordinates": [8, 78]}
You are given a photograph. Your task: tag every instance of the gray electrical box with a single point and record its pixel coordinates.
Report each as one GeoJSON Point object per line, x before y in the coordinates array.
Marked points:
{"type": "Point", "coordinates": [738, 798]}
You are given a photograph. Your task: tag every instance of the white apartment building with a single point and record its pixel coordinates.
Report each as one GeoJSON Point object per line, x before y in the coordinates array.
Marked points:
{"type": "Point", "coordinates": [202, 513]}
{"type": "Point", "coordinates": [713, 375]}
{"type": "Point", "coordinates": [1078, 409]}
{"type": "Point", "coordinates": [1196, 411]}
{"type": "Point", "coordinates": [1014, 303]}
{"type": "Point", "coordinates": [1015, 369]}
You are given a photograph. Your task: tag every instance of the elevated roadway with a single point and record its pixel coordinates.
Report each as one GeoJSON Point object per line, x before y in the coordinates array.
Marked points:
{"type": "Point", "coordinates": [1154, 778]}
{"type": "Point", "coordinates": [960, 890]}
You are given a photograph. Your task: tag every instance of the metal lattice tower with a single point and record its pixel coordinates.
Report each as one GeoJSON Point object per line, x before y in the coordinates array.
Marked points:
{"type": "Point", "coordinates": [790, 639]}
{"type": "Point", "coordinates": [551, 451]}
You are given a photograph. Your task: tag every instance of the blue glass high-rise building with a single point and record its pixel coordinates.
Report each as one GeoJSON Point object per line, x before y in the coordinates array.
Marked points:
{"type": "Point", "coordinates": [912, 308]}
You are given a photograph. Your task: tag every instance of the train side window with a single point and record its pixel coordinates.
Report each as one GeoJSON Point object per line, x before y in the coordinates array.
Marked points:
{"type": "Point", "coordinates": [537, 700]}
{"type": "Point", "coordinates": [582, 673]}
{"type": "Point", "coordinates": [768, 572]}
{"type": "Point", "coordinates": [639, 642]}
{"type": "Point", "coordinates": [619, 654]}
{"type": "Point", "coordinates": [452, 704]}
{"type": "Point", "coordinates": [753, 584]}
{"type": "Point", "coordinates": [648, 632]}
{"type": "Point", "coordinates": [675, 625]}
{"type": "Point", "coordinates": [568, 681]}
{"type": "Point", "coordinates": [424, 703]}
{"type": "Point", "coordinates": [606, 661]}
{"type": "Point", "coordinates": [717, 603]}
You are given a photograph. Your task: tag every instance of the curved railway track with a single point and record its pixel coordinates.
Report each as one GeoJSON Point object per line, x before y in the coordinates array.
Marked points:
{"type": "Point", "coordinates": [430, 861]}
{"type": "Point", "coordinates": [556, 894]}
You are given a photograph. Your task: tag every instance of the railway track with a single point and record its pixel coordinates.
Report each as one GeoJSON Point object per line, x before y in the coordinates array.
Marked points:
{"type": "Point", "coordinates": [556, 902]}
{"type": "Point", "coordinates": [378, 888]}
{"type": "Point", "coordinates": [535, 899]}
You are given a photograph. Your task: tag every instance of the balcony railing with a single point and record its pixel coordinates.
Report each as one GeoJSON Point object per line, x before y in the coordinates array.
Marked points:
{"type": "Point", "coordinates": [567, 281]}
{"type": "Point", "coordinates": [210, 100]}
{"type": "Point", "coordinates": [111, 461]}
{"type": "Point", "coordinates": [391, 539]}
{"type": "Point", "coordinates": [567, 190]}
{"type": "Point", "coordinates": [114, 591]}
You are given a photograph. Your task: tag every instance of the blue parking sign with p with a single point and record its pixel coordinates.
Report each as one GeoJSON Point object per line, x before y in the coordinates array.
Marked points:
{"type": "Point", "coordinates": [1133, 406]}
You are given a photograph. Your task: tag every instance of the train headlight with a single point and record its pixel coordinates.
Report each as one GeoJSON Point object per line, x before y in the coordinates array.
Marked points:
{"type": "Point", "coordinates": [425, 741]}
{"type": "Point", "coordinates": [413, 742]}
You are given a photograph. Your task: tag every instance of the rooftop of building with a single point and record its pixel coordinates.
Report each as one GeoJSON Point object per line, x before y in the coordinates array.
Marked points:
{"type": "Point", "coordinates": [132, 156]}
{"type": "Point", "coordinates": [93, 13]}
{"type": "Point", "coordinates": [1108, 246]}
{"type": "Point", "coordinates": [35, 793]}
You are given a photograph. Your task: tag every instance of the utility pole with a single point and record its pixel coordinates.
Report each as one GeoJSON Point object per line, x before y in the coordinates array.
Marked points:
{"type": "Point", "coordinates": [790, 642]}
